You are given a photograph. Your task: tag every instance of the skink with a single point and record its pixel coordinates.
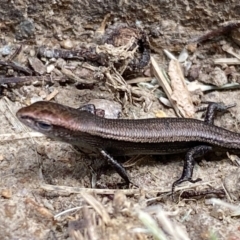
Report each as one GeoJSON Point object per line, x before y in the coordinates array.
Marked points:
{"type": "Point", "coordinates": [116, 137]}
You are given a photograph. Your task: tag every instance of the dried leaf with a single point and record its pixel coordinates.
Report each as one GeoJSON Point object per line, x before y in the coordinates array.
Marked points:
{"type": "Point", "coordinates": [180, 94]}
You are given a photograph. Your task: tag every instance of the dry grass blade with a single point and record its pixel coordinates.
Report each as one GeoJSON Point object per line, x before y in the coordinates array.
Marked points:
{"type": "Point", "coordinates": [7, 109]}
{"type": "Point", "coordinates": [151, 225]}
{"type": "Point", "coordinates": [165, 84]}
{"type": "Point", "coordinates": [52, 95]}
{"type": "Point", "coordinates": [139, 80]}
{"type": "Point", "coordinates": [170, 227]}
{"type": "Point", "coordinates": [10, 137]}
{"type": "Point", "coordinates": [229, 61]}
{"type": "Point", "coordinates": [167, 228]}
{"type": "Point", "coordinates": [65, 190]}
{"type": "Point", "coordinates": [116, 81]}
{"type": "Point", "coordinates": [195, 85]}
{"type": "Point", "coordinates": [75, 78]}
{"type": "Point", "coordinates": [119, 53]}
{"type": "Point", "coordinates": [135, 160]}
{"type": "Point", "coordinates": [76, 235]}
{"type": "Point", "coordinates": [91, 224]}
{"type": "Point", "coordinates": [229, 49]}
{"type": "Point", "coordinates": [84, 227]}
{"type": "Point", "coordinates": [234, 208]}
{"type": "Point", "coordinates": [101, 29]}
{"type": "Point", "coordinates": [70, 190]}
{"type": "Point", "coordinates": [66, 211]}
{"type": "Point", "coordinates": [100, 209]}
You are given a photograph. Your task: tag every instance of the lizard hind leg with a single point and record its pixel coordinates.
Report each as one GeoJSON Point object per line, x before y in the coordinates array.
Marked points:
{"type": "Point", "coordinates": [189, 162]}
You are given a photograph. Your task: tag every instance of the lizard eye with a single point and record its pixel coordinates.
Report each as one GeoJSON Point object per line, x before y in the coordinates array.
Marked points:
{"type": "Point", "coordinates": [44, 125]}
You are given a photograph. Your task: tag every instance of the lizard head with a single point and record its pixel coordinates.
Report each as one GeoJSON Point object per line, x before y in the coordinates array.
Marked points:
{"type": "Point", "coordinates": [51, 119]}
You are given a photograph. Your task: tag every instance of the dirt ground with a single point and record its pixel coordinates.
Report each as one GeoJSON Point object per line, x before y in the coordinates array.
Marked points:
{"type": "Point", "coordinates": [51, 191]}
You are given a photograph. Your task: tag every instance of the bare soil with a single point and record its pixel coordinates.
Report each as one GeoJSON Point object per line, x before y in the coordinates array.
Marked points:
{"type": "Point", "coordinates": [41, 178]}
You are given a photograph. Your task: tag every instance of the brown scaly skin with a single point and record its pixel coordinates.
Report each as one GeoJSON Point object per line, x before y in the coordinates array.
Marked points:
{"type": "Point", "coordinates": [114, 137]}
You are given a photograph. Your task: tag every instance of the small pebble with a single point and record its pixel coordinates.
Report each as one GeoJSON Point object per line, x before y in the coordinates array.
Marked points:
{"type": "Point", "coordinates": [6, 50]}
{"type": "Point", "coordinates": [67, 44]}
{"type": "Point", "coordinates": [37, 65]}
{"type": "Point", "coordinates": [50, 68]}
{"type": "Point", "coordinates": [111, 108]}
{"type": "Point", "coordinates": [6, 193]}
{"type": "Point", "coordinates": [35, 99]}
